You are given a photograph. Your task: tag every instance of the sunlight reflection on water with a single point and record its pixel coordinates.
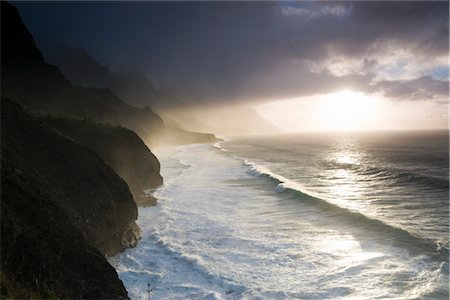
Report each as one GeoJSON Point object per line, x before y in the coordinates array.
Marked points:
{"type": "Point", "coordinates": [344, 185]}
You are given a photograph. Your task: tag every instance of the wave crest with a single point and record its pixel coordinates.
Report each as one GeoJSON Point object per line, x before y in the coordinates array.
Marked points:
{"type": "Point", "coordinates": [401, 237]}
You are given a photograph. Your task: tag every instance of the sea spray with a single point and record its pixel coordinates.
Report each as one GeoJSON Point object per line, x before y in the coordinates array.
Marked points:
{"type": "Point", "coordinates": [222, 230]}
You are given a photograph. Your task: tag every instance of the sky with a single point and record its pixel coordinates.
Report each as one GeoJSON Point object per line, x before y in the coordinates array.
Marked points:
{"type": "Point", "coordinates": [292, 57]}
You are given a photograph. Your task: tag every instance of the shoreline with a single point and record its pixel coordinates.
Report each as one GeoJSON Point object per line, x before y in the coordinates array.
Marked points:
{"type": "Point", "coordinates": [185, 250]}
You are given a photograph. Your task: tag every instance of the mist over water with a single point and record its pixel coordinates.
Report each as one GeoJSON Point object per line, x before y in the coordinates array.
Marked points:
{"type": "Point", "coordinates": [309, 217]}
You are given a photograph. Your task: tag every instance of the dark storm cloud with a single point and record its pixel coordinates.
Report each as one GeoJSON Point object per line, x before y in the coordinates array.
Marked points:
{"type": "Point", "coordinates": [362, 27]}
{"type": "Point", "coordinates": [251, 50]}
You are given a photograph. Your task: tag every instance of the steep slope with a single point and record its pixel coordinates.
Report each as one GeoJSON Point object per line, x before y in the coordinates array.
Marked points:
{"type": "Point", "coordinates": [82, 69]}
{"type": "Point", "coordinates": [79, 67]}
{"type": "Point", "coordinates": [43, 261]}
{"type": "Point", "coordinates": [62, 210]}
{"type": "Point", "coordinates": [119, 147]}
{"type": "Point", "coordinates": [29, 80]}
{"type": "Point", "coordinates": [95, 200]}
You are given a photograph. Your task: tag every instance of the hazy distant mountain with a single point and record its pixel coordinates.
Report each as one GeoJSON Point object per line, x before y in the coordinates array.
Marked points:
{"type": "Point", "coordinates": [241, 121]}
{"type": "Point", "coordinates": [81, 69]}
{"type": "Point", "coordinates": [224, 121]}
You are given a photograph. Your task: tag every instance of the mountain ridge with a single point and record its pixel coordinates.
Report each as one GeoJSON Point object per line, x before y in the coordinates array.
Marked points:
{"type": "Point", "coordinates": [84, 70]}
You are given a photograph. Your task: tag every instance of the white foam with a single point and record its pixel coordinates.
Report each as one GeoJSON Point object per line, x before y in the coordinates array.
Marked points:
{"type": "Point", "coordinates": [284, 183]}
{"type": "Point", "coordinates": [219, 232]}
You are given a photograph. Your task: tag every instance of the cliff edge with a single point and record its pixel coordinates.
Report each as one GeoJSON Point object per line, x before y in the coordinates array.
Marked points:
{"type": "Point", "coordinates": [63, 209]}
{"type": "Point", "coordinates": [119, 147]}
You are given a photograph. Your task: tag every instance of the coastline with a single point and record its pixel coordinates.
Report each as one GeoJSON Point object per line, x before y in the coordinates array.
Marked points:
{"type": "Point", "coordinates": [219, 222]}
{"type": "Point", "coordinates": [332, 183]}
{"type": "Point", "coordinates": [71, 175]}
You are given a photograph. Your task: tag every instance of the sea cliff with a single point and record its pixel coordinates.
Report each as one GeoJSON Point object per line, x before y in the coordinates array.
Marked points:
{"type": "Point", "coordinates": [63, 209]}
{"type": "Point", "coordinates": [74, 162]}
{"type": "Point", "coordinates": [65, 201]}
{"type": "Point", "coordinates": [119, 147]}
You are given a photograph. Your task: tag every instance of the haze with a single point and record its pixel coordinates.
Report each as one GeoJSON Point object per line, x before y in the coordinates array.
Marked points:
{"type": "Point", "coordinates": [234, 68]}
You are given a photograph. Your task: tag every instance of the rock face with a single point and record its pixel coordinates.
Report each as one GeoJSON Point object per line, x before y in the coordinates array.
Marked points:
{"type": "Point", "coordinates": [53, 261]}
{"type": "Point", "coordinates": [119, 147]}
{"type": "Point", "coordinates": [94, 199]}
{"type": "Point", "coordinates": [62, 210]}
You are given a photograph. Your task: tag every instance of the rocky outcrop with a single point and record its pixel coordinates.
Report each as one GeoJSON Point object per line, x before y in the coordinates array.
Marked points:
{"type": "Point", "coordinates": [120, 148]}
{"type": "Point", "coordinates": [63, 209]}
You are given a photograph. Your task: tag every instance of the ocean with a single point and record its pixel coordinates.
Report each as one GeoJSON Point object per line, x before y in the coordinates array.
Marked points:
{"type": "Point", "coordinates": [336, 216]}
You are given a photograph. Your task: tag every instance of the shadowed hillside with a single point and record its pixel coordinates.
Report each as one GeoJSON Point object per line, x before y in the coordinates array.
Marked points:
{"type": "Point", "coordinates": [63, 209]}
{"type": "Point", "coordinates": [119, 147]}
{"type": "Point", "coordinates": [75, 177]}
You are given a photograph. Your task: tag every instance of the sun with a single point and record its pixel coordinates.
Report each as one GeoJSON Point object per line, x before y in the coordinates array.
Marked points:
{"type": "Point", "coordinates": [345, 111]}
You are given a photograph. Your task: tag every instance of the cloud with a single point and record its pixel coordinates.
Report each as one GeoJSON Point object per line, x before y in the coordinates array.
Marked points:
{"type": "Point", "coordinates": [416, 89]}
{"type": "Point", "coordinates": [321, 47]}
{"type": "Point", "coordinates": [258, 51]}
{"type": "Point", "coordinates": [337, 10]}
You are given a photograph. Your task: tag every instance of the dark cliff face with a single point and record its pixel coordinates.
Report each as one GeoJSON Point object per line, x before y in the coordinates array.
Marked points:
{"type": "Point", "coordinates": [62, 210]}
{"type": "Point", "coordinates": [119, 147]}
{"type": "Point", "coordinates": [94, 198]}
{"type": "Point", "coordinates": [24, 73]}
{"type": "Point", "coordinates": [40, 260]}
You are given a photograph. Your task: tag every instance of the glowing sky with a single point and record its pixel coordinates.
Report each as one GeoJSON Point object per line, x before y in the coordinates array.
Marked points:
{"type": "Point", "coordinates": [352, 111]}
{"type": "Point", "coordinates": [292, 61]}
